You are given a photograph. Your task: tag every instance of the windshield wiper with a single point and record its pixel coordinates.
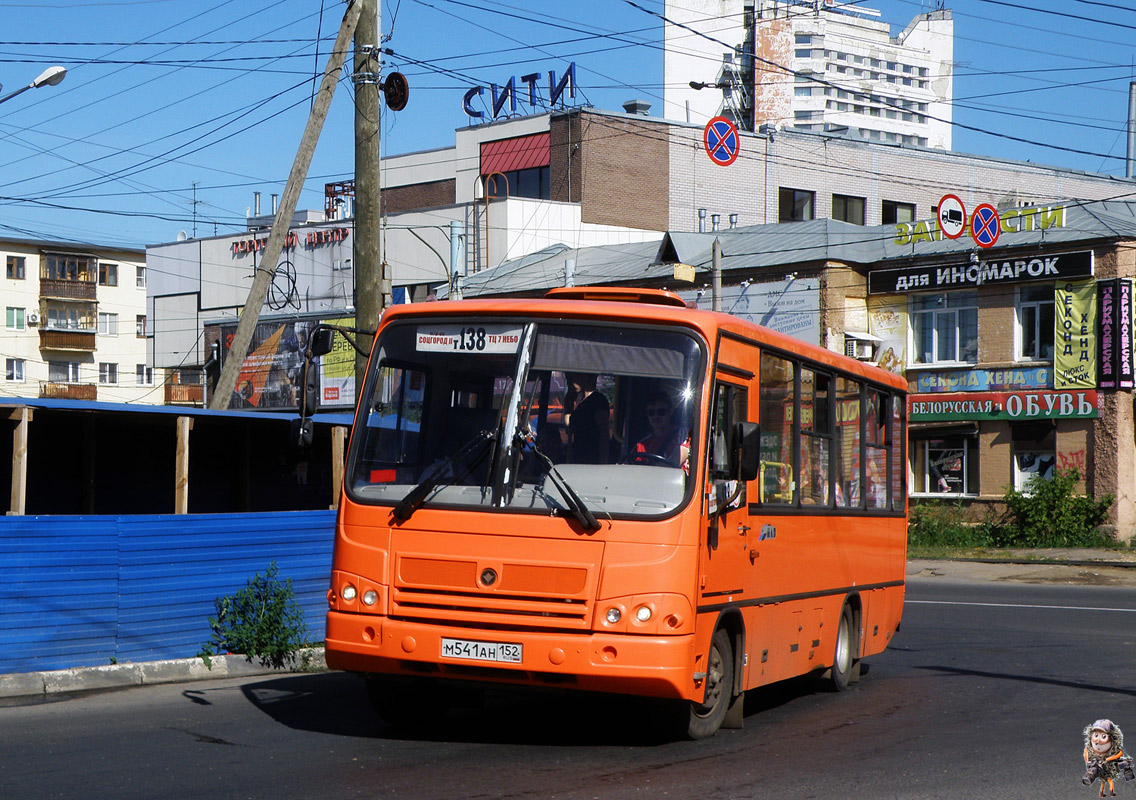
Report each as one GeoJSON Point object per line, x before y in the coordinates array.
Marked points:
{"type": "Point", "coordinates": [574, 502]}
{"type": "Point", "coordinates": [417, 496]}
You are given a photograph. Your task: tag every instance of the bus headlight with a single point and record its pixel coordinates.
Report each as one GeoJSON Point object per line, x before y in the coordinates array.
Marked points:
{"type": "Point", "coordinates": [369, 597]}
{"type": "Point", "coordinates": [613, 615]}
{"type": "Point", "coordinates": [643, 613]}
{"type": "Point", "coordinates": [348, 592]}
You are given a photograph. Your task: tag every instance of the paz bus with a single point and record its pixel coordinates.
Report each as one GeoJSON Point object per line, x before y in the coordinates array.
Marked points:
{"type": "Point", "coordinates": [478, 542]}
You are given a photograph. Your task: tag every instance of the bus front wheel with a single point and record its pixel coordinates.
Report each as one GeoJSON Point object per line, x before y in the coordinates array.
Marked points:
{"type": "Point", "coordinates": [705, 718]}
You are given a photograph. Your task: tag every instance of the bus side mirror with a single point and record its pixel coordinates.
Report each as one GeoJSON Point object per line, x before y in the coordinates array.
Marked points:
{"type": "Point", "coordinates": [321, 341]}
{"type": "Point", "coordinates": [301, 435]}
{"type": "Point", "coordinates": [747, 445]}
{"type": "Point", "coordinates": [309, 396]}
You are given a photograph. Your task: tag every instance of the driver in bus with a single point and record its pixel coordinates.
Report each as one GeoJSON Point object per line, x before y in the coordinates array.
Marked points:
{"type": "Point", "coordinates": [666, 441]}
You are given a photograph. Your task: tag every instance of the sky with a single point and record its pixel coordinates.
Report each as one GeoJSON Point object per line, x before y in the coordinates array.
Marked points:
{"type": "Point", "coordinates": [174, 112]}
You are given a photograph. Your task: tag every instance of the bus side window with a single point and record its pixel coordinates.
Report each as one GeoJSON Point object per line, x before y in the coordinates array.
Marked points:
{"type": "Point", "coordinates": [816, 438]}
{"type": "Point", "coordinates": [777, 400]}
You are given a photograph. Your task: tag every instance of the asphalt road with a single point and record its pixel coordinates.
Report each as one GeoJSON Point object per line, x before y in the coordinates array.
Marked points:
{"type": "Point", "coordinates": [983, 694]}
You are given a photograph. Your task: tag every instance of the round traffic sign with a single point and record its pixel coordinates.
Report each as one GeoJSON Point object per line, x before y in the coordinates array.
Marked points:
{"type": "Point", "coordinates": [985, 226]}
{"type": "Point", "coordinates": [952, 216]}
{"type": "Point", "coordinates": [721, 141]}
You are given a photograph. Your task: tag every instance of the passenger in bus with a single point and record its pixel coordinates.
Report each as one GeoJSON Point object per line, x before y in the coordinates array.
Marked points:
{"type": "Point", "coordinates": [588, 424]}
{"type": "Point", "coordinates": [666, 442]}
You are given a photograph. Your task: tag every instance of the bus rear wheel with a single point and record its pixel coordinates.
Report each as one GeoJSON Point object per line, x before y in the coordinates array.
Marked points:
{"type": "Point", "coordinates": [704, 719]}
{"type": "Point", "coordinates": [844, 659]}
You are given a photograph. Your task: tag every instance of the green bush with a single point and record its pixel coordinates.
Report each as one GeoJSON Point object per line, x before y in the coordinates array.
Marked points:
{"type": "Point", "coordinates": [262, 620]}
{"type": "Point", "coordinates": [939, 524]}
{"type": "Point", "coordinates": [1049, 514]}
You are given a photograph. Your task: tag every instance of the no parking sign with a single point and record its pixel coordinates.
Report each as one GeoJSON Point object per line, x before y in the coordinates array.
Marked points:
{"type": "Point", "coordinates": [721, 140]}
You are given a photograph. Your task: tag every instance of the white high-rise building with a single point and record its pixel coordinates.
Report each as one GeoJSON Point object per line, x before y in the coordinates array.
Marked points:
{"type": "Point", "coordinates": [820, 65]}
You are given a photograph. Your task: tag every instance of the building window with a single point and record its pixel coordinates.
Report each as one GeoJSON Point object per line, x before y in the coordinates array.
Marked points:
{"type": "Point", "coordinates": [795, 205]}
{"type": "Point", "coordinates": [848, 209]}
{"type": "Point", "coordinates": [16, 267]}
{"type": "Point", "coordinates": [63, 371]}
{"type": "Point", "coordinates": [64, 267]}
{"type": "Point", "coordinates": [140, 277]}
{"type": "Point", "coordinates": [140, 325]}
{"type": "Point", "coordinates": [1035, 323]}
{"type": "Point", "coordinates": [946, 466]}
{"type": "Point", "coordinates": [1034, 453]}
{"type": "Point", "coordinates": [14, 370]}
{"type": "Point", "coordinates": [15, 318]}
{"type": "Point", "coordinates": [68, 317]}
{"type": "Point", "coordinates": [108, 324]}
{"type": "Point", "coordinates": [108, 274]}
{"type": "Point", "coordinates": [945, 328]}
{"type": "Point", "coordinates": [144, 375]}
{"type": "Point", "coordinates": [108, 373]}
{"type": "Point", "coordinates": [892, 212]}
{"type": "Point", "coordinates": [534, 183]}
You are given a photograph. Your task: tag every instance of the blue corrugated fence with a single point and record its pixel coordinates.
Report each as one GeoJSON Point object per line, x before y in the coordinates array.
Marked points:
{"type": "Point", "coordinates": [86, 590]}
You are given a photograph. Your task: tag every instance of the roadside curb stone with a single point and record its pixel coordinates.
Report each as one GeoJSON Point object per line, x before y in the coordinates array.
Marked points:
{"type": "Point", "coordinates": [115, 676]}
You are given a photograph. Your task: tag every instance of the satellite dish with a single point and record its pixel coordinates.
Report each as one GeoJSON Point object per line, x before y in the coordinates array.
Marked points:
{"type": "Point", "coordinates": [182, 236]}
{"type": "Point", "coordinates": [397, 91]}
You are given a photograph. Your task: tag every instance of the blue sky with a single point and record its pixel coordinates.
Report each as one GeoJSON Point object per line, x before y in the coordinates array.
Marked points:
{"type": "Point", "coordinates": [172, 107]}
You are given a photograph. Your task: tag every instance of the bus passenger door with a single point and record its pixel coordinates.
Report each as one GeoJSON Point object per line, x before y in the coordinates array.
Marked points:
{"type": "Point", "coordinates": [725, 565]}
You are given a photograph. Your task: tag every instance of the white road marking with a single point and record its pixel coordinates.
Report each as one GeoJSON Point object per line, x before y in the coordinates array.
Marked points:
{"type": "Point", "coordinates": [1019, 605]}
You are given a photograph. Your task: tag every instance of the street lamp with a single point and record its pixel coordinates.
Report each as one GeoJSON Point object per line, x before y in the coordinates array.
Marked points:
{"type": "Point", "coordinates": [49, 77]}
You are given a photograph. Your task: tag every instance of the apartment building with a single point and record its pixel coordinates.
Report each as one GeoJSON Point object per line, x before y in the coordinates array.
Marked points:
{"type": "Point", "coordinates": [75, 324]}
{"type": "Point", "coordinates": [820, 65]}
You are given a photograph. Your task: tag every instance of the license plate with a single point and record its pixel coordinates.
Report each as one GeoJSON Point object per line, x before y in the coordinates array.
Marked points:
{"type": "Point", "coordinates": [482, 651]}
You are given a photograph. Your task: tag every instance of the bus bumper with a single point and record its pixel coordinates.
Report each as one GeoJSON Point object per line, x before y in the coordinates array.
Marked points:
{"type": "Point", "coordinates": [652, 666]}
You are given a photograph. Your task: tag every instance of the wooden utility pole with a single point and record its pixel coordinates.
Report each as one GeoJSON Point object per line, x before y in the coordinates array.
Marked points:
{"type": "Point", "coordinates": [372, 287]}
{"type": "Point", "coordinates": [250, 314]}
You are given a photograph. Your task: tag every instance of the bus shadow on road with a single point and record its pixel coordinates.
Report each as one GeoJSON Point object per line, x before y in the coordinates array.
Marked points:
{"type": "Point", "coordinates": [337, 703]}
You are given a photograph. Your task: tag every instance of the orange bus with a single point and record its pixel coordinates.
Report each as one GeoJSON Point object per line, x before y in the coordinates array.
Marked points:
{"type": "Point", "coordinates": [480, 540]}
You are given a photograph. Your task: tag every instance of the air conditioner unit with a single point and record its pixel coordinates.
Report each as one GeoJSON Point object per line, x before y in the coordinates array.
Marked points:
{"type": "Point", "coordinates": [862, 351]}
{"type": "Point", "coordinates": [33, 318]}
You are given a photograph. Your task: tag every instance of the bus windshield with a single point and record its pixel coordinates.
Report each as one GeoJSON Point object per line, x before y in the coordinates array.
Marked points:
{"type": "Point", "coordinates": [528, 416]}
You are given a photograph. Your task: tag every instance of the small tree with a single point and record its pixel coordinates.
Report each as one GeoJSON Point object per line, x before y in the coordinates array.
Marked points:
{"type": "Point", "coordinates": [1050, 514]}
{"type": "Point", "coordinates": [262, 620]}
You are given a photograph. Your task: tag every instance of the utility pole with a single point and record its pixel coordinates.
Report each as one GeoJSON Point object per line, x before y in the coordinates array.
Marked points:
{"type": "Point", "coordinates": [250, 314]}
{"type": "Point", "coordinates": [372, 286]}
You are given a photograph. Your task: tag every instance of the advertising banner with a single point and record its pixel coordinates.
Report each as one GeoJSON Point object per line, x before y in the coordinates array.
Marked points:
{"type": "Point", "coordinates": [1124, 329]}
{"type": "Point", "coordinates": [887, 319]}
{"type": "Point", "coordinates": [1075, 335]}
{"type": "Point", "coordinates": [926, 278]}
{"type": "Point", "coordinates": [985, 380]}
{"type": "Point", "coordinates": [1107, 291]}
{"type": "Point", "coordinates": [337, 375]}
{"type": "Point", "coordinates": [270, 375]}
{"type": "Point", "coordinates": [1018, 406]}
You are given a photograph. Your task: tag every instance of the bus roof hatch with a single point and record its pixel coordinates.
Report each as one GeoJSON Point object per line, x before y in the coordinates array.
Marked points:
{"type": "Point", "coordinates": [621, 294]}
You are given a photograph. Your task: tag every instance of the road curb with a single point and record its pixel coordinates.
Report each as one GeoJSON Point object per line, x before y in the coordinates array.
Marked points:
{"type": "Point", "coordinates": [1036, 562]}
{"type": "Point", "coordinates": [29, 685]}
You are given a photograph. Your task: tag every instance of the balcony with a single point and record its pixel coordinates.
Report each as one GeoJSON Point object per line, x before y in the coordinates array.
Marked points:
{"type": "Point", "coordinates": [55, 289]}
{"type": "Point", "coordinates": [184, 395]}
{"type": "Point", "coordinates": [51, 339]}
{"type": "Point", "coordinates": [68, 391]}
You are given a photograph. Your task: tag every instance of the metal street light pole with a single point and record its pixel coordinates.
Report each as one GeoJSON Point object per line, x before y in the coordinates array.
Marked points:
{"type": "Point", "coordinates": [49, 77]}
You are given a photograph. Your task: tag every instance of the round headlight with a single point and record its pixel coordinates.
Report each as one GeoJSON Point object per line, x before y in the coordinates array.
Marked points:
{"type": "Point", "coordinates": [613, 615]}
{"type": "Point", "coordinates": [349, 592]}
{"type": "Point", "coordinates": [369, 597]}
{"type": "Point", "coordinates": [643, 613]}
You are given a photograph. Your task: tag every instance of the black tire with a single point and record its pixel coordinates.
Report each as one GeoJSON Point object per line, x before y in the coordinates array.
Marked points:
{"type": "Point", "coordinates": [704, 719]}
{"type": "Point", "coordinates": [413, 704]}
{"type": "Point", "coordinates": [844, 654]}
